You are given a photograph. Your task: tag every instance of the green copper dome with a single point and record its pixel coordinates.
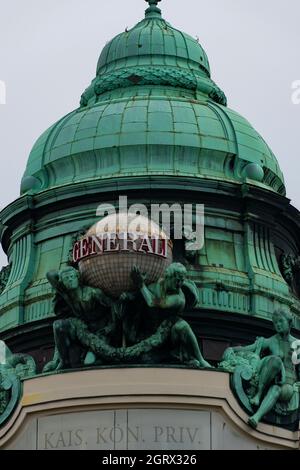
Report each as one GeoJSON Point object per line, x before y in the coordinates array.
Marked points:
{"type": "Point", "coordinates": [155, 42]}
{"type": "Point", "coordinates": [152, 110]}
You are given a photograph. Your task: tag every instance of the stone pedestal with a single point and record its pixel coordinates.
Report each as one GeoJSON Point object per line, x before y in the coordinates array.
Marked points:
{"type": "Point", "coordinates": [136, 409]}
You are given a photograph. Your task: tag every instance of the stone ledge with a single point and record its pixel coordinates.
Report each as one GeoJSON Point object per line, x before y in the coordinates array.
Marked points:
{"type": "Point", "coordinates": [133, 388]}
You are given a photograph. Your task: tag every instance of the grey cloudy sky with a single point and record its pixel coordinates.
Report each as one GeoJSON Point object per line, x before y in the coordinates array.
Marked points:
{"type": "Point", "coordinates": [49, 50]}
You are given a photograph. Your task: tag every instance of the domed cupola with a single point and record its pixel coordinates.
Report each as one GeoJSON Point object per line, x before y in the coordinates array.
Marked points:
{"type": "Point", "coordinates": [157, 42]}
{"type": "Point", "coordinates": [152, 110]}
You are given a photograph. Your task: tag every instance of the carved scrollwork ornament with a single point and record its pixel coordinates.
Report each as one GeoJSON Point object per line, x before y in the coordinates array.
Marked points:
{"type": "Point", "coordinates": [13, 368]}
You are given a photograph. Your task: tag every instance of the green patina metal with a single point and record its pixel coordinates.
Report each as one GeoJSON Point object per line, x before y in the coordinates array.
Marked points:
{"type": "Point", "coordinates": [265, 377]}
{"type": "Point", "coordinates": [154, 126]}
{"type": "Point", "coordinates": [116, 331]}
{"type": "Point", "coordinates": [151, 109]}
{"type": "Point", "coordinates": [4, 276]}
{"type": "Point", "coordinates": [13, 370]}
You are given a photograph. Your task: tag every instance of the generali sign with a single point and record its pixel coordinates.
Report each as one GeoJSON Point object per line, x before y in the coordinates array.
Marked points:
{"type": "Point", "coordinates": [95, 245]}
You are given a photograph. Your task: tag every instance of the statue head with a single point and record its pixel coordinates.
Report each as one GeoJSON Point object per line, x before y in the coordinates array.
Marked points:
{"type": "Point", "coordinates": [282, 321]}
{"type": "Point", "coordinates": [70, 278]}
{"type": "Point", "coordinates": [174, 277]}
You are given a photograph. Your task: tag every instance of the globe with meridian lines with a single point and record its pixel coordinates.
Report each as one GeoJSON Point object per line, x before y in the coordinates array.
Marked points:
{"type": "Point", "coordinates": [112, 247]}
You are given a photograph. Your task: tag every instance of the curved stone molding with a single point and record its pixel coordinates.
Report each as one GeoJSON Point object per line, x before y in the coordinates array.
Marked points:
{"type": "Point", "coordinates": [222, 300]}
{"type": "Point", "coordinates": [139, 388]}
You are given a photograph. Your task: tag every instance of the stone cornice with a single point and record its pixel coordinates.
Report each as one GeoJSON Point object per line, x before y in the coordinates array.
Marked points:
{"type": "Point", "coordinates": [136, 387]}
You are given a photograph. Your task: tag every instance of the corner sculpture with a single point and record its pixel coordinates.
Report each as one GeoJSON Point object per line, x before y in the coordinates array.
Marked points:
{"type": "Point", "coordinates": [290, 269]}
{"type": "Point", "coordinates": [144, 326]}
{"type": "Point", "coordinates": [4, 276]}
{"type": "Point", "coordinates": [13, 368]}
{"type": "Point", "coordinates": [266, 375]}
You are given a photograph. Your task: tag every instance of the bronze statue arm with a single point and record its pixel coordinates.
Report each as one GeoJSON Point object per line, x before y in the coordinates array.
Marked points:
{"type": "Point", "coordinates": [172, 302]}
{"type": "Point", "coordinates": [53, 278]}
{"type": "Point", "coordinates": [139, 280]}
{"type": "Point", "coordinates": [260, 344]}
{"type": "Point", "coordinates": [169, 303]}
{"type": "Point", "coordinates": [148, 297]}
{"type": "Point", "coordinates": [101, 298]}
{"type": "Point", "coordinates": [283, 375]}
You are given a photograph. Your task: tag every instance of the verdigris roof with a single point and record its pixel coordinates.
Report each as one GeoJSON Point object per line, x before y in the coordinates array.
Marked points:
{"type": "Point", "coordinates": [152, 110]}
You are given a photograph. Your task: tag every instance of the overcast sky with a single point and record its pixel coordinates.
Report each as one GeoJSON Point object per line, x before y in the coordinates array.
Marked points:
{"type": "Point", "coordinates": [49, 50]}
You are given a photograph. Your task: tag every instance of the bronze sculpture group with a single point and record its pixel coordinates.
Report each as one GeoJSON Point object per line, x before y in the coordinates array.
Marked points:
{"type": "Point", "coordinates": [142, 326]}
{"type": "Point", "coordinates": [147, 326]}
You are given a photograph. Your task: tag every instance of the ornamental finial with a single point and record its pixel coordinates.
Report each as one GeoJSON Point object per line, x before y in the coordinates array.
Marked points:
{"type": "Point", "coordinates": [153, 8]}
{"type": "Point", "coordinates": [153, 2]}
